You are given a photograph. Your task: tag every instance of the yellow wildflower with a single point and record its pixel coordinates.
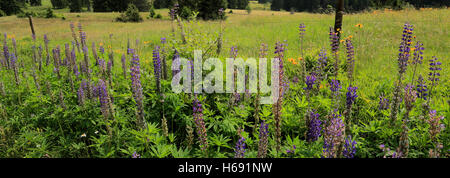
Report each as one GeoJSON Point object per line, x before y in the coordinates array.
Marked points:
{"type": "Point", "coordinates": [359, 25]}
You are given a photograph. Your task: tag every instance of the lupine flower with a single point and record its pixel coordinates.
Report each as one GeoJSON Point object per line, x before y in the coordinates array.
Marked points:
{"type": "Point", "coordinates": [61, 99]}
{"type": "Point", "coordinates": [421, 88]}
{"type": "Point", "coordinates": [349, 148]}
{"type": "Point", "coordinates": [173, 11]}
{"type": "Point", "coordinates": [176, 61]}
{"type": "Point", "coordinates": [333, 136]}
{"type": "Point", "coordinates": [124, 66]}
{"type": "Point", "coordinates": [102, 49]}
{"type": "Point", "coordinates": [263, 50]}
{"type": "Point", "coordinates": [74, 35]}
{"type": "Point", "coordinates": [334, 39]}
{"type": "Point", "coordinates": [200, 124]}
{"type": "Point", "coordinates": [14, 68]}
{"type": "Point", "coordinates": [277, 107]}
{"type": "Point", "coordinates": [314, 127]}
{"type": "Point", "coordinates": [434, 74]}
{"type": "Point", "coordinates": [418, 52]}
{"type": "Point", "coordinates": [383, 104]}
{"type": "Point", "coordinates": [302, 30]}
{"type": "Point", "coordinates": [6, 54]}
{"type": "Point", "coordinates": [410, 97]}
{"type": "Point", "coordinates": [310, 81]}
{"type": "Point", "coordinates": [136, 87]}
{"type": "Point", "coordinates": [94, 52]}
{"type": "Point", "coordinates": [46, 41]}
{"type": "Point", "coordinates": [221, 12]}
{"type": "Point", "coordinates": [135, 155]}
{"type": "Point", "coordinates": [157, 68]}
{"type": "Point", "coordinates": [404, 50]}
{"type": "Point", "coordinates": [14, 45]}
{"type": "Point", "coordinates": [435, 127]}
{"type": "Point", "coordinates": [109, 68]}
{"type": "Point", "coordinates": [321, 64]}
{"type": "Point", "coordinates": [235, 97]}
{"type": "Point", "coordinates": [351, 95]}
{"type": "Point", "coordinates": [83, 38]}
{"type": "Point", "coordinates": [80, 94]}
{"type": "Point", "coordinates": [335, 86]}
{"type": "Point", "coordinates": [289, 151]}
{"type": "Point", "coordinates": [350, 59]}
{"type": "Point", "coordinates": [240, 148]}
{"type": "Point", "coordinates": [104, 98]}
{"type": "Point", "coordinates": [263, 139]}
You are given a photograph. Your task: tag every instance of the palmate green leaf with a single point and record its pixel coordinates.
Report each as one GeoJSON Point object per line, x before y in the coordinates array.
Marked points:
{"type": "Point", "coordinates": [301, 103]}
{"type": "Point", "coordinates": [180, 153]}
{"type": "Point", "coordinates": [160, 150]}
{"type": "Point", "coordinates": [220, 141]}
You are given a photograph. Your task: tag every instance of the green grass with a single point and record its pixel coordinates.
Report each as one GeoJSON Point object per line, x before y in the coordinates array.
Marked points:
{"type": "Point", "coordinates": [376, 43]}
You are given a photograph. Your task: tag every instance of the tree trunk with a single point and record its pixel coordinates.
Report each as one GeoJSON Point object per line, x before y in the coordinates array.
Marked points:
{"type": "Point", "coordinates": [339, 17]}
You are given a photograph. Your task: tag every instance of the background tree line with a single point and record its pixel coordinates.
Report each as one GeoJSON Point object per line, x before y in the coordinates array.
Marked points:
{"type": "Point", "coordinates": [350, 5]}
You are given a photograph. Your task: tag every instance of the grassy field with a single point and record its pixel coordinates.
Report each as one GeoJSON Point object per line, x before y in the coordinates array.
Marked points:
{"type": "Point", "coordinates": [376, 41]}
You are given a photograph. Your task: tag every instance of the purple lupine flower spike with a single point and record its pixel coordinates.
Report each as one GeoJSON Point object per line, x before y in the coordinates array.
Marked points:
{"type": "Point", "coordinates": [314, 127]}
{"type": "Point", "coordinates": [200, 124]}
{"type": "Point", "coordinates": [157, 68]}
{"type": "Point", "coordinates": [333, 136]}
{"type": "Point", "coordinates": [263, 139]}
{"type": "Point", "coordinates": [349, 148]}
{"type": "Point", "coordinates": [240, 148]}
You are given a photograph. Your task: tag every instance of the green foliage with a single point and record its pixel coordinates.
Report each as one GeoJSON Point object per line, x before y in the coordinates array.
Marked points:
{"type": "Point", "coordinates": [59, 4]}
{"type": "Point", "coordinates": [9, 7]}
{"type": "Point", "coordinates": [119, 6]}
{"type": "Point", "coordinates": [159, 4]}
{"type": "Point", "coordinates": [49, 13]}
{"type": "Point", "coordinates": [131, 15]}
{"type": "Point", "coordinates": [75, 5]}
{"type": "Point", "coordinates": [152, 12]}
{"type": "Point", "coordinates": [35, 2]}
{"type": "Point", "coordinates": [248, 9]}
{"type": "Point", "coordinates": [323, 6]}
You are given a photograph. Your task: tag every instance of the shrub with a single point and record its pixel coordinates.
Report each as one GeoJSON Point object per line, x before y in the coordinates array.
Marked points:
{"type": "Point", "coordinates": [26, 14]}
{"type": "Point", "coordinates": [75, 5]}
{"type": "Point", "coordinates": [185, 12]}
{"type": "Point", "coordinates": [249, 10]}
{"type": "Point", "coordinates": [152, 12]}
{"type": "Point", "coordinates": [49, 13]}
{"type": "Point", "coordinates": [158, 16]}
{"type": "Point", "coordinates": [2, 13]}
{"type": "Point", "coordinates": [59, 4]}
{"type": "Point", "coordinates": [131, 15]}
{"type": "Point", "coordinates": [35, 2]}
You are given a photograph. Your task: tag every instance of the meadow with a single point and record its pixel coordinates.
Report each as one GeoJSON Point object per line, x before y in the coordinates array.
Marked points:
{"type": "Point", "coordinates": [41, 115]}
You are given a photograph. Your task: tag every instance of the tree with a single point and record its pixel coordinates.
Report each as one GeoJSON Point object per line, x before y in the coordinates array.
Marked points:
{"type": "Point", "coordinates": [209, 9]}
{"type": "Point", "coordinates": [35, 2]}
{"type": "Point", "coordinates": [142, 5]}
{"type": "Point", "coordinates": [59, 4]}
{"type": "Point", "coordinates": [75, 5]}
{"type": "Point", "coordinates": [276, 5]}
{"type": "Point", "coordinates": [242, 4]}
{"type": "Point", "coordinates": [339, 16]}
{"type": "Point", "coordinates": [10, 7]}
{"type": "Point", "coordinates": [131, 15]}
